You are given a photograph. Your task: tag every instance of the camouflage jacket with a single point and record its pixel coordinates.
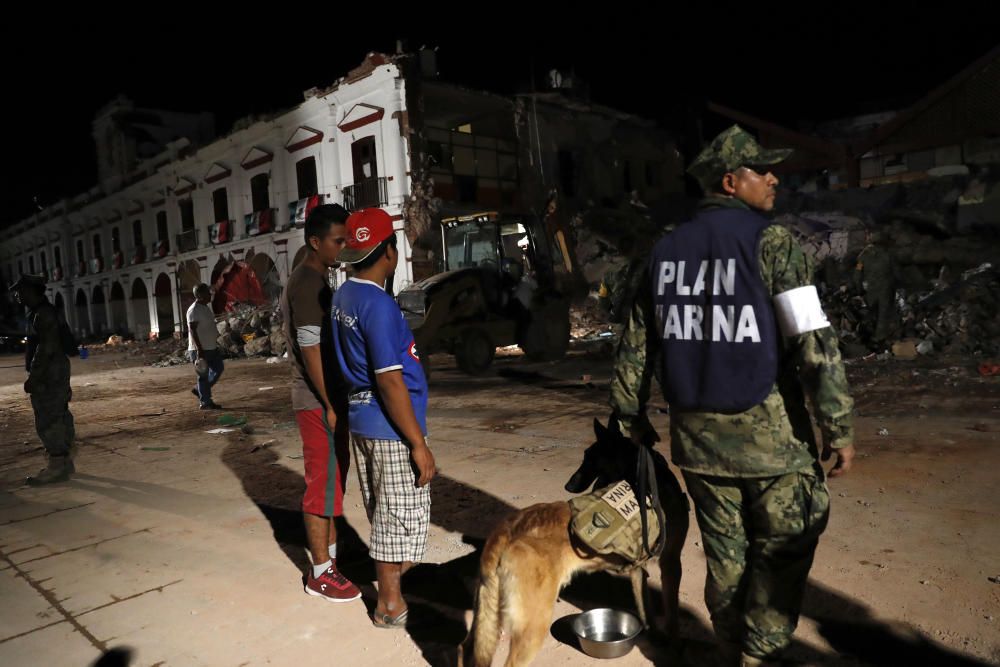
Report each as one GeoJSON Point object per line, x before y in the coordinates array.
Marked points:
{"type": "Point", "coordinates": [772, 438]}
{"type": "Point", "coordinates": [45, 360]}
{"type": "Point", "coordinates": [874, 269]}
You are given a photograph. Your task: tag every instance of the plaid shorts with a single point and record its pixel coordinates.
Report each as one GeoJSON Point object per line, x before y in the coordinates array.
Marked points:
{"type": "Point", "coordinates": [399, 512]}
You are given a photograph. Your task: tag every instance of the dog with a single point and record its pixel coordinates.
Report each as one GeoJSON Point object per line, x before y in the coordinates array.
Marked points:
{"type": "Point", "coordinates": [532, 554]}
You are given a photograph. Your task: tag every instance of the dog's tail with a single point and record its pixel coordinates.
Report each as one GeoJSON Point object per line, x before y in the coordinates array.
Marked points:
{"type": "Point", "coordinates": [481, 644]}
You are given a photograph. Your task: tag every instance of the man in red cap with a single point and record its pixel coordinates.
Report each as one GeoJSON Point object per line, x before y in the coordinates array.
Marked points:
{"type": "Point", "coordinates": [388, 404]}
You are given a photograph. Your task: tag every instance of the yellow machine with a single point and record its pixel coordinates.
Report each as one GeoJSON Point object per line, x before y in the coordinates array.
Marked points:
{"type": "Point", "coordinates": [498, 288]}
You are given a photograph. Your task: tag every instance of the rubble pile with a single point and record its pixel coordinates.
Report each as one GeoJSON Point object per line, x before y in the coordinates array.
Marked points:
{"type": "Point", "coordinates": [173, 352]}
{"type": "Point", "coordinates": [606, 239]}
{"type": "Point", "coordinates": [942, 234]}
{"type": "Point", "coordinates": [958, 318]}
{"type": "Point", "coordinates": [137, 348]}
{"type": "Point", "coordinates": [252, 332]}
{"type": "Point", "coordinates": [963, 317]}
{"type": "Point", "coordinates": [589, 321]}
{"type": "Point", "coordinates": [946, 288]}
{"type": "Point", "coordinates": [243, 332]}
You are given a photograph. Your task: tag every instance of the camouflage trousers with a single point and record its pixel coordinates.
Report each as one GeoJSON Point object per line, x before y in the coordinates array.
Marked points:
{"type": "Point", "coordinates": [53, 420]}
{"type": "Point", "coordinates": [760, 535]}
{"type": "Point", "coordinates": [882, 313]}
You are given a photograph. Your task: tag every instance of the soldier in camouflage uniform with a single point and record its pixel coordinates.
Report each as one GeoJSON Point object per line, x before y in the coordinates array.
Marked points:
{"type": "Point", "coordinates": [48, 381]}
{"type": "Point", "coordinates": [619, 286]}
{"type": "Point", "coordinates": [754, 474]}
{"type": "Point", "coordinates": [874, 275]}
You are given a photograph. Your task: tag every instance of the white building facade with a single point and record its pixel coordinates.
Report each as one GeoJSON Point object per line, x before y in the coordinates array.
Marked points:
{"type": "Point", "coordinates": [126, 261]}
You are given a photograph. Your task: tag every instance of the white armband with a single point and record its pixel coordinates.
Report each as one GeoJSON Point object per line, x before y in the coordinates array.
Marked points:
{"type": "Point", "coordinates": [799, 311]}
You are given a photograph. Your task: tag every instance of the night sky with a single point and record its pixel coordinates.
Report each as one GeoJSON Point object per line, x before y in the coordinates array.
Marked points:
{"type": "Point", "coordinates": [778, 64]}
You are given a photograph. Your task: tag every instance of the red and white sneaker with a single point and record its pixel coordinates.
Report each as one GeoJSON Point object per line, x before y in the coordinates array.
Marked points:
{"type": "Point", "coordinates": [332, 586]}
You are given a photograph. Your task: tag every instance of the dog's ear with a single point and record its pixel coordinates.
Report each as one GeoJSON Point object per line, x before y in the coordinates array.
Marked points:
{"type": "Point", "coordinates": [599, 429]}
{"type": "Point", "coordinates": [613, 426]}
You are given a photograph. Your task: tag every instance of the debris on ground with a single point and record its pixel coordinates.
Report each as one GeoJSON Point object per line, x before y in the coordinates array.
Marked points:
{"type": "Point", "coordinates": [176, 358]}
{"type": "Point", "coordinates": [262, 445]}
{"type": "Point", "coordinates": [905, 349]}
{"type": "Point", "coordinates": [588, 322]}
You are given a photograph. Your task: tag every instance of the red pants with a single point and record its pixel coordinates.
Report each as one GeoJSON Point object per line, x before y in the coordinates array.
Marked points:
{"type": "Point", "coordinates": [327, 458]}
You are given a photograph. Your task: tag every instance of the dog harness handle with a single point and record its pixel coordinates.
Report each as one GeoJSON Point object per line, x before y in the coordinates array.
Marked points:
{"type": "Point", "coordinates": [645, 476]}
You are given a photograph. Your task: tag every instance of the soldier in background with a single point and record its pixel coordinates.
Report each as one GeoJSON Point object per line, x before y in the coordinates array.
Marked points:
{"type": "Point", "coordinates": [874, 275]}
{"type": "Point", "coordinates": [48, 380]}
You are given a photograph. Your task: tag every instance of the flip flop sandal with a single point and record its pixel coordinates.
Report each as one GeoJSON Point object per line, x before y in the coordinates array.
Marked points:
{"type": "Point", "coordinates": [387, 622]}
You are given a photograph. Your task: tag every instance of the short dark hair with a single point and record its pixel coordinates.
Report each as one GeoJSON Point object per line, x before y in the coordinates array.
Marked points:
{"type": "Point", "coordinates": [376, 255]}
{"type": "Point", "coordinates": [322, 217]}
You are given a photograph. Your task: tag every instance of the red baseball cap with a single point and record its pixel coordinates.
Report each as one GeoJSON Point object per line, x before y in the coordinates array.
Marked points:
{"type": "Point", "coordinates": [366, 229]}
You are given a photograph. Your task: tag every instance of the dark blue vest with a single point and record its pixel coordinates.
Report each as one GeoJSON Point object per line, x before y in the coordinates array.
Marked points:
{"type": "Point", "coordinates": [714, 316]}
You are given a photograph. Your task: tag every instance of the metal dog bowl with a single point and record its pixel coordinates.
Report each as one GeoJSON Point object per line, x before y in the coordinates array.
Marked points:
{"type": "Point", "coordinates": [606, 633]}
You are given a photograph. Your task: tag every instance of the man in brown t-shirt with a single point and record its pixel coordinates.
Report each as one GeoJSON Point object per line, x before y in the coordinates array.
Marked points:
{"type": "Point", "coordinates": [319, 399]}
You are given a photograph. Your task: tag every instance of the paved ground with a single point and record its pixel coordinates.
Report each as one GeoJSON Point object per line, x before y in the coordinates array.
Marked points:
{"type": "Point", "coordinates": [172, 546]}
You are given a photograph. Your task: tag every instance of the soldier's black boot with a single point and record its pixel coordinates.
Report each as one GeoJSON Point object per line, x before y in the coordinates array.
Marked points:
{"type": "Point", "coordinates": [58, 470]}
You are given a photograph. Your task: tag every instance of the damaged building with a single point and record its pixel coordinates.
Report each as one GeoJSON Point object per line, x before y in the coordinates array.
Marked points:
{"type": "Point", "coordinates": [176, 207]}
{"type": "Point", "coordinates": [927, 178]}
{"type": "Point", "coordinates": [952, 130]}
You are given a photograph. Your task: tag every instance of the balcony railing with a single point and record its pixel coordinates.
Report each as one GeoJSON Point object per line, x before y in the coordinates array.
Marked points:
{"type": "Point", "coordinates": [369, 193]}
{"type": "Point", "coordinates": [187, 240]}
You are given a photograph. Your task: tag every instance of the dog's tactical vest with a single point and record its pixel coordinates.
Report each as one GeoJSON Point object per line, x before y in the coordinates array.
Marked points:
{"type": "Point", "coordinates": [608, 522]}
